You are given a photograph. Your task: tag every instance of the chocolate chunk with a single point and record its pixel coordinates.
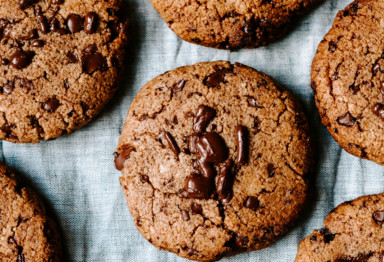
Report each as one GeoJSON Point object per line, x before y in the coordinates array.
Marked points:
{"type": "Point", "coordinates": [144, 178]}
{"type": "Point", "coordinates": [204, 115]}
{"type": "Point", "coordinates": [171, 142]}
{"type": "Point", "coordinates": [4, 61]}
{"type": "Point", "coordinates": [206, 169]}
{"type": "Point", "coordinates": [25, 3]}
{"type": "Point", "coordinates": [196, 209]}
{"type": "Point", "coordinates": [242, 145]}
{"type": "Point", "coordinates": [185, 215]}
{"type": "Point", "coordinates": [37, 43]}
{"type": "Point", "coordinates": [328, 236]}
{"type": "Point", "coordinates": [20, 59]}
{"type": "Point", "coordinates": [252, 203]}
{"type": "Point", "coordinates": [177, 87]}
{"type": "Point", "coordinates": [8, 87]}
{"type": "Point", "coordinates": [216, 78]}
{"type": "Point", "coordinates": [51, 105]}
{"type": "Point", "coordinates": [378, 109]}
{"type": "Point", "coordinates": [378, 216]}
{"type": "Point", "coordinates": [241, 241]}
{"type": "Point", "coordinates": [43, 24]}
{"type": "Point", "coordinates": [93, 62]}
{"type": "Point", "coordinates": [192, 142]}
{"type": "Point", "coordinates": [346, 120]}
{"type": "Point", "coordinates": [72, 58]}
{"type": "Point", "coordinates": [198, 186]}
{"type": "Point", "coordinates": [91, 23]}
{"type": "Point", "coordinates": [212, 148]}
{"type": "Point", "coordinates": [121, 157]}
{"type": "Point", "coordinates": [115, 27]}
{"type": "Point", "coordinates": [225, 180]}
{"type": "Point", "coordinates": [271, 170]}
{"type": "Point", "coordinates": [74, 23]}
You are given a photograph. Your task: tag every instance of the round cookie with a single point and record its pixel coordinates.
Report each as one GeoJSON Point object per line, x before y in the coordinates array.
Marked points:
{"type": "Point", "coordinates": [215, 160]}
{"type": "Point", "coordinates": [59, 65]}
{"type": "Point", "coordinates": [230, 24]}
{"type": "Point", "coordinates": [27, 234]}
{"type": "Point", "coordinates": [353, 231]}
{"type": "Point", "coordinates": [348, 79]}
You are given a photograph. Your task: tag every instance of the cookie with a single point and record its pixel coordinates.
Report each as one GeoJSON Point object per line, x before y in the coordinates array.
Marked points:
{"type": "Point", "coordinates": [215, 160]}
{"type": "Point", "coordinates": [230, 24]}
{"type": "Point", "coordinates": [60, 62]}
{"type": "Point", "coordinates": [348, 79]}
{"type": "Point", "coordinates": [27, 234]}
{"type": "Point", "coordinates": [353, 231]}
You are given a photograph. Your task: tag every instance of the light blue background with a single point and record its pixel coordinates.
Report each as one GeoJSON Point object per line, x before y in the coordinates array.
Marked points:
{"type": "Point", "coordinates": [76, 174]}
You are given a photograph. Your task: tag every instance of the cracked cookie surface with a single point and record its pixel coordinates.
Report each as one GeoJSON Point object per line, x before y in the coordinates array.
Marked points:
{"type": "Point", "coordinates": [215, 160]}
{"type": "Point", "coordinates": [352, 232]}
{"type": "Point", "coordinates": [230, 24]}
{"type": "Point", "coordinates": [60, 63]}
{"type": "Point", "coordinates": [348, 79]}
{"type": "Point", "coordinates": [27, 234]}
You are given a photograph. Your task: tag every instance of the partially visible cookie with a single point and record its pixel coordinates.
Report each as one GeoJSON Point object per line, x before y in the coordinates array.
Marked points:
{"type": "Point", "coordinates": [348, 79]}
{"type": "Point", "coordinates": [215, 160]}
{"type": "Point", "coordinates": [26, 234]}
{"type": "Point", "coordinates": [60, 63]}
{"type": "Point", "coordinates": [353, 231]}
{"type": "Point", "coordinates": [230, 24]}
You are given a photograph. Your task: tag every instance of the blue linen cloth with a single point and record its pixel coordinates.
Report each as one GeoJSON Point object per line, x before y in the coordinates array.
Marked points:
{"type": "Point", "coordinates": [76, 176]}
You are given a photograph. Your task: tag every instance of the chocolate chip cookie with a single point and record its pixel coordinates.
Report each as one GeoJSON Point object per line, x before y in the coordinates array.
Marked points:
{"type": "Point", "coordinates": [348, 79]}
{"type": "Point", "coordinates": [230, 24]}
{"type": "Point", "coordinates": [60, 62]}
{"type": "Point", "coordinates": [27, 234]}
{"type": "Point", "coordinates": [215, 160]}
{"type": "Point", "coordinates": [353, 231]}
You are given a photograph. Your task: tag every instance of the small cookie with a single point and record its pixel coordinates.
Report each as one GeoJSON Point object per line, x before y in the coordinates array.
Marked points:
{"type": "Point", "coordinates": [214, 160]}
{"type": "Point", "coordinates": [27, 234]}
{"type": "Point", "coordinates": [230, 24]}
{"type": "Point", "coordinates": [59, 65]}
{"type": "Point", "coordinates": [348, 79]}
{"type": "Point", "coordinates": [353, 231]}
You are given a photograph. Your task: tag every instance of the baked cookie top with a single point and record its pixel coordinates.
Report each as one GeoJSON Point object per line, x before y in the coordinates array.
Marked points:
{"type": "Point", "coordinates": [59, 64]}
{"type": "Point", "coordinates": [230, 24]}
{"type": "Point", "coordinates": [215, 159]}
{"type": "Point", "coordinates": [27, 234]}
{"type": "Point", "coordinates": [352, 232]}
{"type": "Point", "coordinates": [348, 79]}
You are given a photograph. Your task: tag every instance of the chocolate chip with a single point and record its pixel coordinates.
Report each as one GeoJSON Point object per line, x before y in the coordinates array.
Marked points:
{"type": "Point", "coordinates": [8, 87]}
{"type": "Point", "coordinates": [72, 58]}
{"type": "Point", "coordinates": [332, 46]}
{"type": "Point", "coordinates": [43, 24]}
{"type": "Point", "coordinates": [11, 240]}
{"type": "Point", "coordinates": [212, 148]}
{"type": "Point", "coordinates": [144, 178]}
{"type": "Point", "coordinates": [25, 3]}
{"type": "Point", "coordinates": [93, 62]}
{"type": "Point", "coordinates": [359, 258]}
{"type": "Point", "coordinates": [32, 35]}
{"type": "Point", "coordinates": [346, 120]}
{"type": "Point", "coordinates": [242, 145]}
{"type": "Point", "coordinates": [171, 142]}
{"type": "Point", "coordinates": [58, 2]}
{"type": "Point", "coordinates": [120, 158]}
{"type": "Point", "coordinates": [328, 236]}
{"type": "Point", "coordinates": [196, 209]}
{"type": "Point", "coordinates": [376, 68]}
{"type": "Point", "coordinates": [206, 169]}
{"type": "Point", "coordinates": [241, 241]}
{"type": "Point", "coordinates": [216, 78]}
{"type": "Point", "coordinates": [271, 170]}
{"type": "Point", "coordinates": [252, 102]}
{"type": "Point", "coordinates": [198, 186]}
{"type": "Point", "coordinates": [177, 87]}
{"type": "Point", "coordinates": [74, 23]}
{"type": "Point", "coordinates": [25, 83]}
{"type": "Point", "coordinates": [192, 142]}
{"type": "Point", "coordinates": [115, 27]}
{"type": "Point", "coordinates": [4, 61]}
{"type": "Point", "coordinates": [225, 180]}
{"type": "Point", "coordinates": [313, 238]}
{"type": "Point", "coordinates": [91, 23]}
{"type": "Point", "coordinates": [51, 105]}
{"type": "Point", "coordinates": [185, 215]}
{"type": "Point", "coordinates": [378, 216]}
{"type": "Point", "coordinates": [90, 49]}
{"type": "Point", "coordinates": [204, 115]}
{"type": "Point", "coordinates": [378, 109]}
{"type": "Point", "coordinates": [252, 203]}
{"type": "Point", "coordinates": [20, 59]}
{"type": "Point", "coordinates": [37, 43]}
